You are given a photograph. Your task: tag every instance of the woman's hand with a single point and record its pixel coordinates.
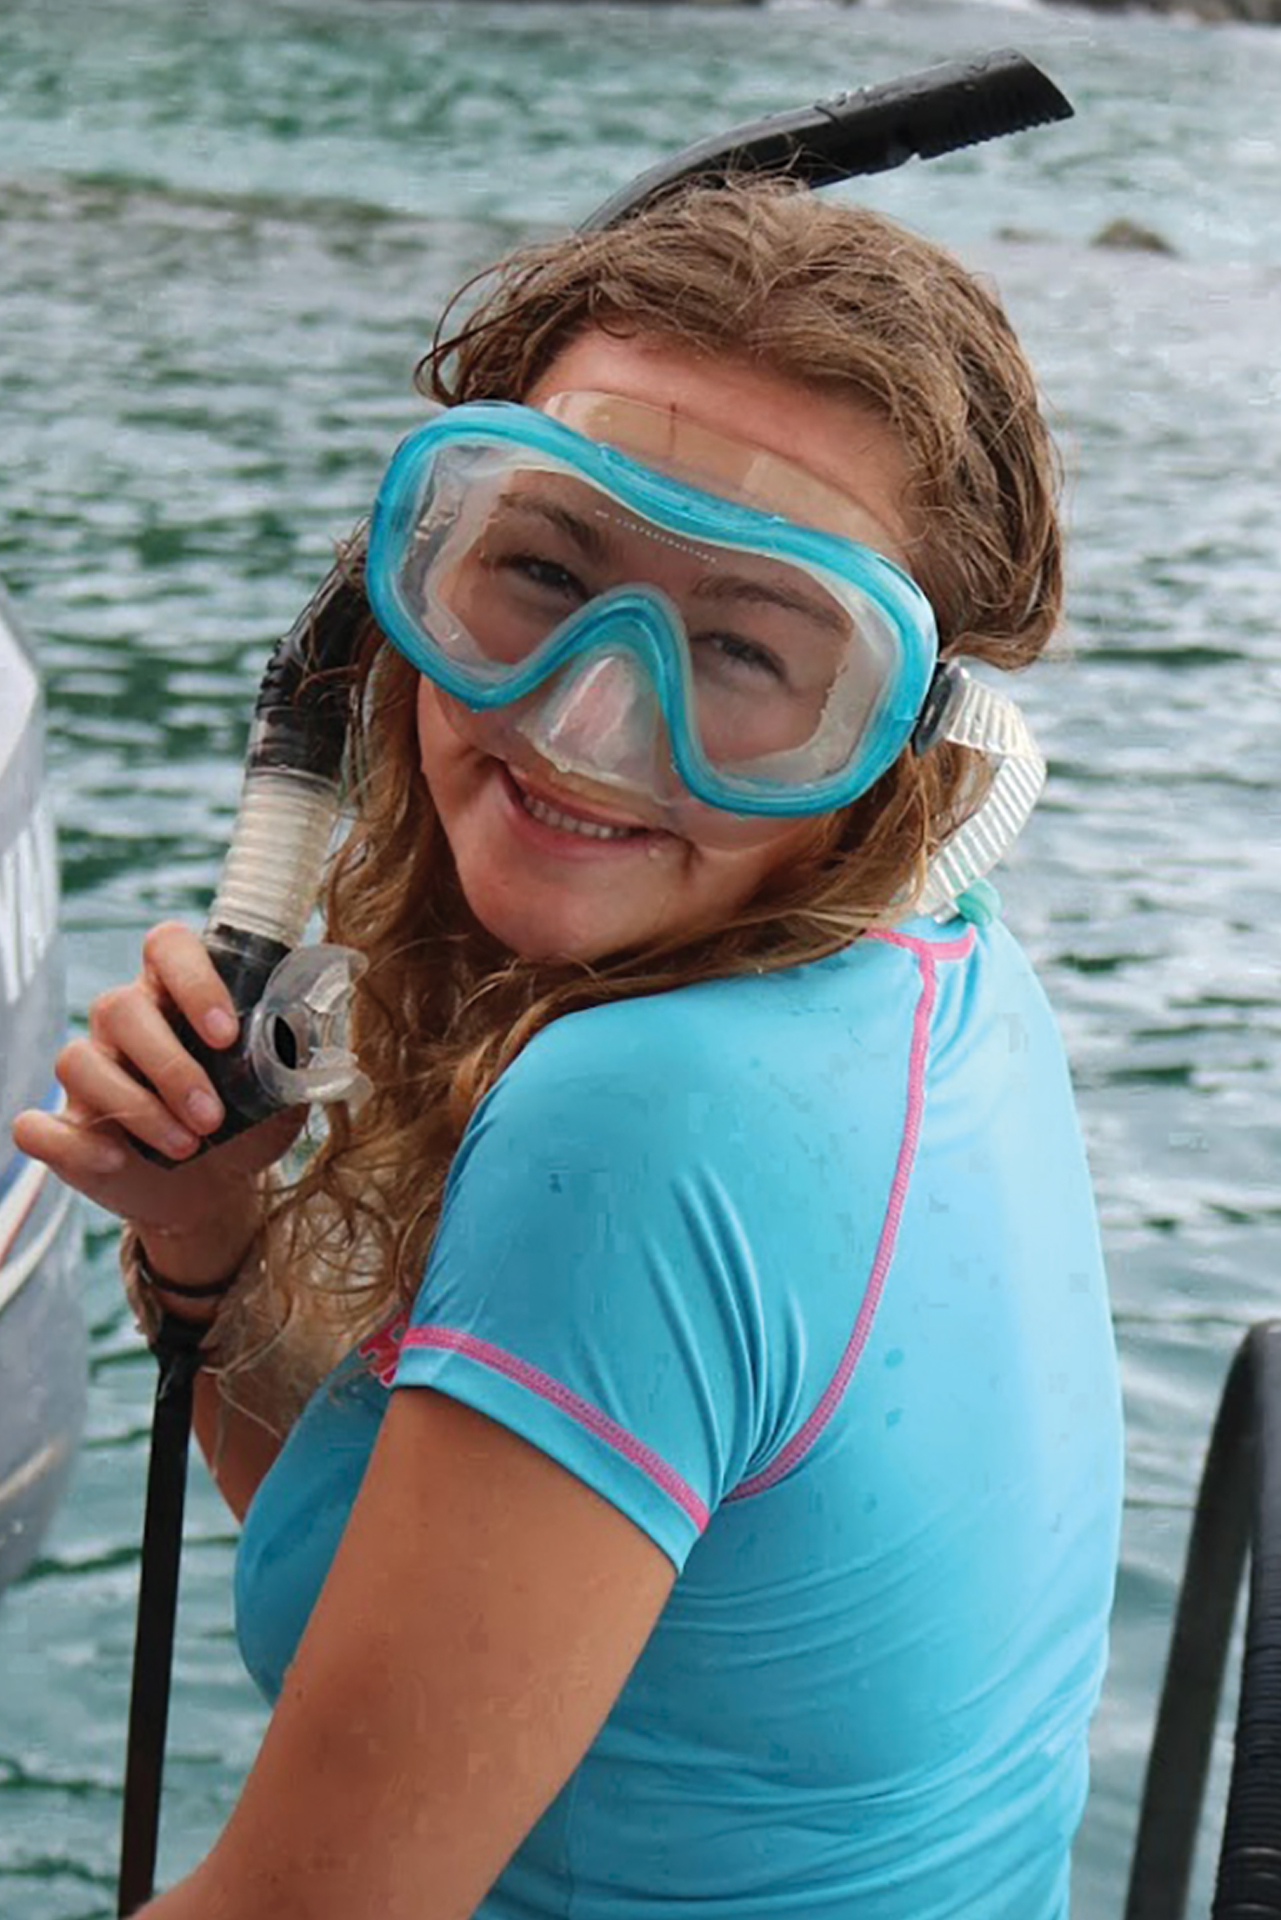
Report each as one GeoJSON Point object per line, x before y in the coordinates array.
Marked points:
{"type": "Point", "coordinates": [196, 1221]}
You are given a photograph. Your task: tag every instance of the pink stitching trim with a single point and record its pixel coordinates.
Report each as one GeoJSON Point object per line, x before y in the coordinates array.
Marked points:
{"type": "Point", "coordinates": [925, 953]}
{"type": "Point", "coordinates": [381, 1350]}
{"type": "Point", "coordinates": [958, 949]}
{"type": "Point", "coordinates": [451, 1340]}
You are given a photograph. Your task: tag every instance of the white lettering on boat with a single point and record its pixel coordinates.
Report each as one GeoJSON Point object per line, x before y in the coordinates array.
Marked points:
{"type": "Point", "coordinates": [28, 902]}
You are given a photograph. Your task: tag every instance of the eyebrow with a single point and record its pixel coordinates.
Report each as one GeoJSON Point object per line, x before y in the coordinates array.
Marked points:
{"type": "Point", "coordinates": [745, 591]}
{"type": "Point", "coordinates": [594, 543]}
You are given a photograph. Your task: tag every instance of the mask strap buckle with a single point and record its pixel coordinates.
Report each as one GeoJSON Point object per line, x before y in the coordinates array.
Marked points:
{"type": "Point", "coordinates": [944, 691]}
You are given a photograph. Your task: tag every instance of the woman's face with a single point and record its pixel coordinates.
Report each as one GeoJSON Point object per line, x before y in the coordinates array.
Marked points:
{"type": "Point", "coordinates": [541, 884]}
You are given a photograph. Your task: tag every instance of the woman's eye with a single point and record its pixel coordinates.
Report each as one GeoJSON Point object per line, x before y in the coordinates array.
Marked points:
{"type": "Point", "coordinates": [747, 657]}
{"type": "Point", "coordinates": [548, 575]}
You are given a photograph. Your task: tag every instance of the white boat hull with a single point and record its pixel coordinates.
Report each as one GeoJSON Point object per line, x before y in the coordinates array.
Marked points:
{"type": "Point", "coordinates": [42, 1333]}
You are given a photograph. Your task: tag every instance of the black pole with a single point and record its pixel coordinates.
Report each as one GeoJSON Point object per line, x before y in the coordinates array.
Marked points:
{"type": "Point", "coordinates": [1249, 1878]}
{"type": "Point", "coordinates": [177, 1348]}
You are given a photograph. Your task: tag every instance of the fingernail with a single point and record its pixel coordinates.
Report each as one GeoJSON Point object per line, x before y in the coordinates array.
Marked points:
{"type": "Point", "coordinates": [205, 1111]}
{"type": "Point", "coordinates": [176, 1140]}
{"type": "Point", "coordinates": [220, 1026]}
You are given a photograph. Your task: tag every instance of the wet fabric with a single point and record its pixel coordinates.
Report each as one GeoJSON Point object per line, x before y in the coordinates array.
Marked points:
{"type": "Point", "coordinates": [801, 1272]}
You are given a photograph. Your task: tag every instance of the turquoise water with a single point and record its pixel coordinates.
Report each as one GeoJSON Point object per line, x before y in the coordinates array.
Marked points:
{"type": "Point", "coordinates": [224, 234]}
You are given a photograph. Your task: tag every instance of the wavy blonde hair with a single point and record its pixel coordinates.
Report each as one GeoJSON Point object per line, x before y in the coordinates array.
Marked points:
{"type": "Point", "coordinates": [844, 302]}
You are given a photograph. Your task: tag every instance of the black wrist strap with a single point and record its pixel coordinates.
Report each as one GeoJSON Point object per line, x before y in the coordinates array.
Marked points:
{"type": "Point", "coordinates": [181, 1290]}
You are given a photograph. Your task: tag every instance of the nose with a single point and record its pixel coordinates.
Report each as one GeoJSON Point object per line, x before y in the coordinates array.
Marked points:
{"type": "Point", "coordinates": [600, 718]}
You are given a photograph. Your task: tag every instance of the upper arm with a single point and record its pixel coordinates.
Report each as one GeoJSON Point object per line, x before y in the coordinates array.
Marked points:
{"type": "Point", "coordinates": [596, 1286]}
{"type": "Point", "coordinates": [483, 1611]}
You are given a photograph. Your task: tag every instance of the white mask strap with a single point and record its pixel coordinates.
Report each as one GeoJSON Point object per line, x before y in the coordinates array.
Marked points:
{"type": "Point", "coordinates": [977, 716]}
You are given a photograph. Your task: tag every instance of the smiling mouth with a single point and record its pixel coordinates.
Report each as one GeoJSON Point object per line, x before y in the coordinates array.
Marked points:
{"type": "Point", "coordinates": [589, 826]}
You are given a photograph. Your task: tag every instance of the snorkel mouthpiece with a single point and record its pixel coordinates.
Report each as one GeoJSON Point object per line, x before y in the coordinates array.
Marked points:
{"type": "Point", "coordinates": [298, 1040]}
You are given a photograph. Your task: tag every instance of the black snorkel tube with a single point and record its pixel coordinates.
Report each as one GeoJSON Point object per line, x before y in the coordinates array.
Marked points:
{"type": "Point", "coordinates": [292, 1000]}
{"type": "Point", "coordinates": [293, 1045]}
{"type": "Point", "coordinates": [924, 115]}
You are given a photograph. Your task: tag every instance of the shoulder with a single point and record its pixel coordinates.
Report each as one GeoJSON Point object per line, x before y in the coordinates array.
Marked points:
{"type": "Point", "coordinates": [962, 974]}
{"type": "Point", "coordinates": [722, 1042]}
{"type": "Point", "coordinates": [745, 1075]}
{"type": "Point", "coordinates": [652, 1080]}
{"type": "Point", "coordinates": [629, 1062]}
{"type": "Point", "coordinates": [718, 1035]}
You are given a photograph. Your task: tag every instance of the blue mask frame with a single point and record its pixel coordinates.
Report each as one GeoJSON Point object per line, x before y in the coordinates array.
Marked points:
{"type": "Point", "coordinates": [640, 620]}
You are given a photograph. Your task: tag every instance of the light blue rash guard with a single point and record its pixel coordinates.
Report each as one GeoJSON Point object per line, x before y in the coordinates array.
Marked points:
{"type": "Point", "coordinates": [801, 1272]}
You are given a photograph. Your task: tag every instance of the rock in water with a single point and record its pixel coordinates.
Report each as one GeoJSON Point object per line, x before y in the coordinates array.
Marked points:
{"type": "Point", "coordinates": [1129, 234]}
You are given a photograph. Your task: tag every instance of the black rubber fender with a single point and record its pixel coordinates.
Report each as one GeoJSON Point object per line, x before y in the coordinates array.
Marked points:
{"type": "Point", "coordinates": [1238, 1511]}
{"type": "Point", "coordinates": [1249, 1880]}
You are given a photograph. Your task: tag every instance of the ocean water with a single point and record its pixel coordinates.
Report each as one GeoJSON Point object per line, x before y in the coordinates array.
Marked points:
{"type": "Point", "coordinates": [224, 236]}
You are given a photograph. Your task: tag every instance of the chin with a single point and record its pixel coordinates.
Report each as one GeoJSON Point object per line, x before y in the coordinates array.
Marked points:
{"type": "Point", "coordinates": [550, 932]}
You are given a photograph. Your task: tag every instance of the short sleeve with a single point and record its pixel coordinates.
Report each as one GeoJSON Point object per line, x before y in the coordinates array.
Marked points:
{"type": "Point", "coordinates": [592, 1286]}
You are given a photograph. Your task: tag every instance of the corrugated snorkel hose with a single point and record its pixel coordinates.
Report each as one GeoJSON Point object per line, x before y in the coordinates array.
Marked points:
{"type": "Point", "coordinates": [284, 824]}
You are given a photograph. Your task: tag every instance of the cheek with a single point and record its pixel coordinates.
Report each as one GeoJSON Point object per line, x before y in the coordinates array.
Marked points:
{"type": "Point", "coordinates": [439, 743]}
{"type": "Point", "coordinates": [428, 719]}
{"type": "Point", "coordinates": [741, 875]}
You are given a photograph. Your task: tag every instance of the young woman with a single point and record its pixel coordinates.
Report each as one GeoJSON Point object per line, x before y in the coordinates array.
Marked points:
{"type": "Point", "coordinates": [713, 1508]}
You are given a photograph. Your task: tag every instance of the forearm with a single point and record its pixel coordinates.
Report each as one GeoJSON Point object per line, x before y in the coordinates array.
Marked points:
{"type": "Point", "coordinates": [200, 1897]}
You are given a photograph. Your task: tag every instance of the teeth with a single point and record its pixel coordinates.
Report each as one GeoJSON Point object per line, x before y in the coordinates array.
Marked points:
{"type": "Point", "coordinates": [568, 823]}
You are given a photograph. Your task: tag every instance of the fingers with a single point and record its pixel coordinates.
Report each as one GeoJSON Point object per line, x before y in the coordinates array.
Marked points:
{"type": "Point", "coordinates": [87, 1158]}
{"type": "Point", "coordinates": [84, 1157]}
{"type": "Point", "coordinates": [133, 1070]}
{"type": "Point", "coordinates": [105, 1091]}
{"type": "Point", "coordinates": [176, 965]}
{"type": "Point", "coordinates": [205, 1199]}
{"type": "Point", "coordinates": [209, 1195]}
{"type": "Point", "coordinates": [128, 1027]}
{"type": "Point", "coordinates": [132, 1081]}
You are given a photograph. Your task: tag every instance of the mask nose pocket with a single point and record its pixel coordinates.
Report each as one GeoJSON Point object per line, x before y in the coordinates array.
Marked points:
{"type": "Point", "coordinates": [601, 715]}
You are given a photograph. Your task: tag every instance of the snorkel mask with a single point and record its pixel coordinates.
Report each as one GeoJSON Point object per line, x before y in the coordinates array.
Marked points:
{"type": "Point", "coordinates": [630, 659]}
{"type": "Point", "coordinates": [591, 605]}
